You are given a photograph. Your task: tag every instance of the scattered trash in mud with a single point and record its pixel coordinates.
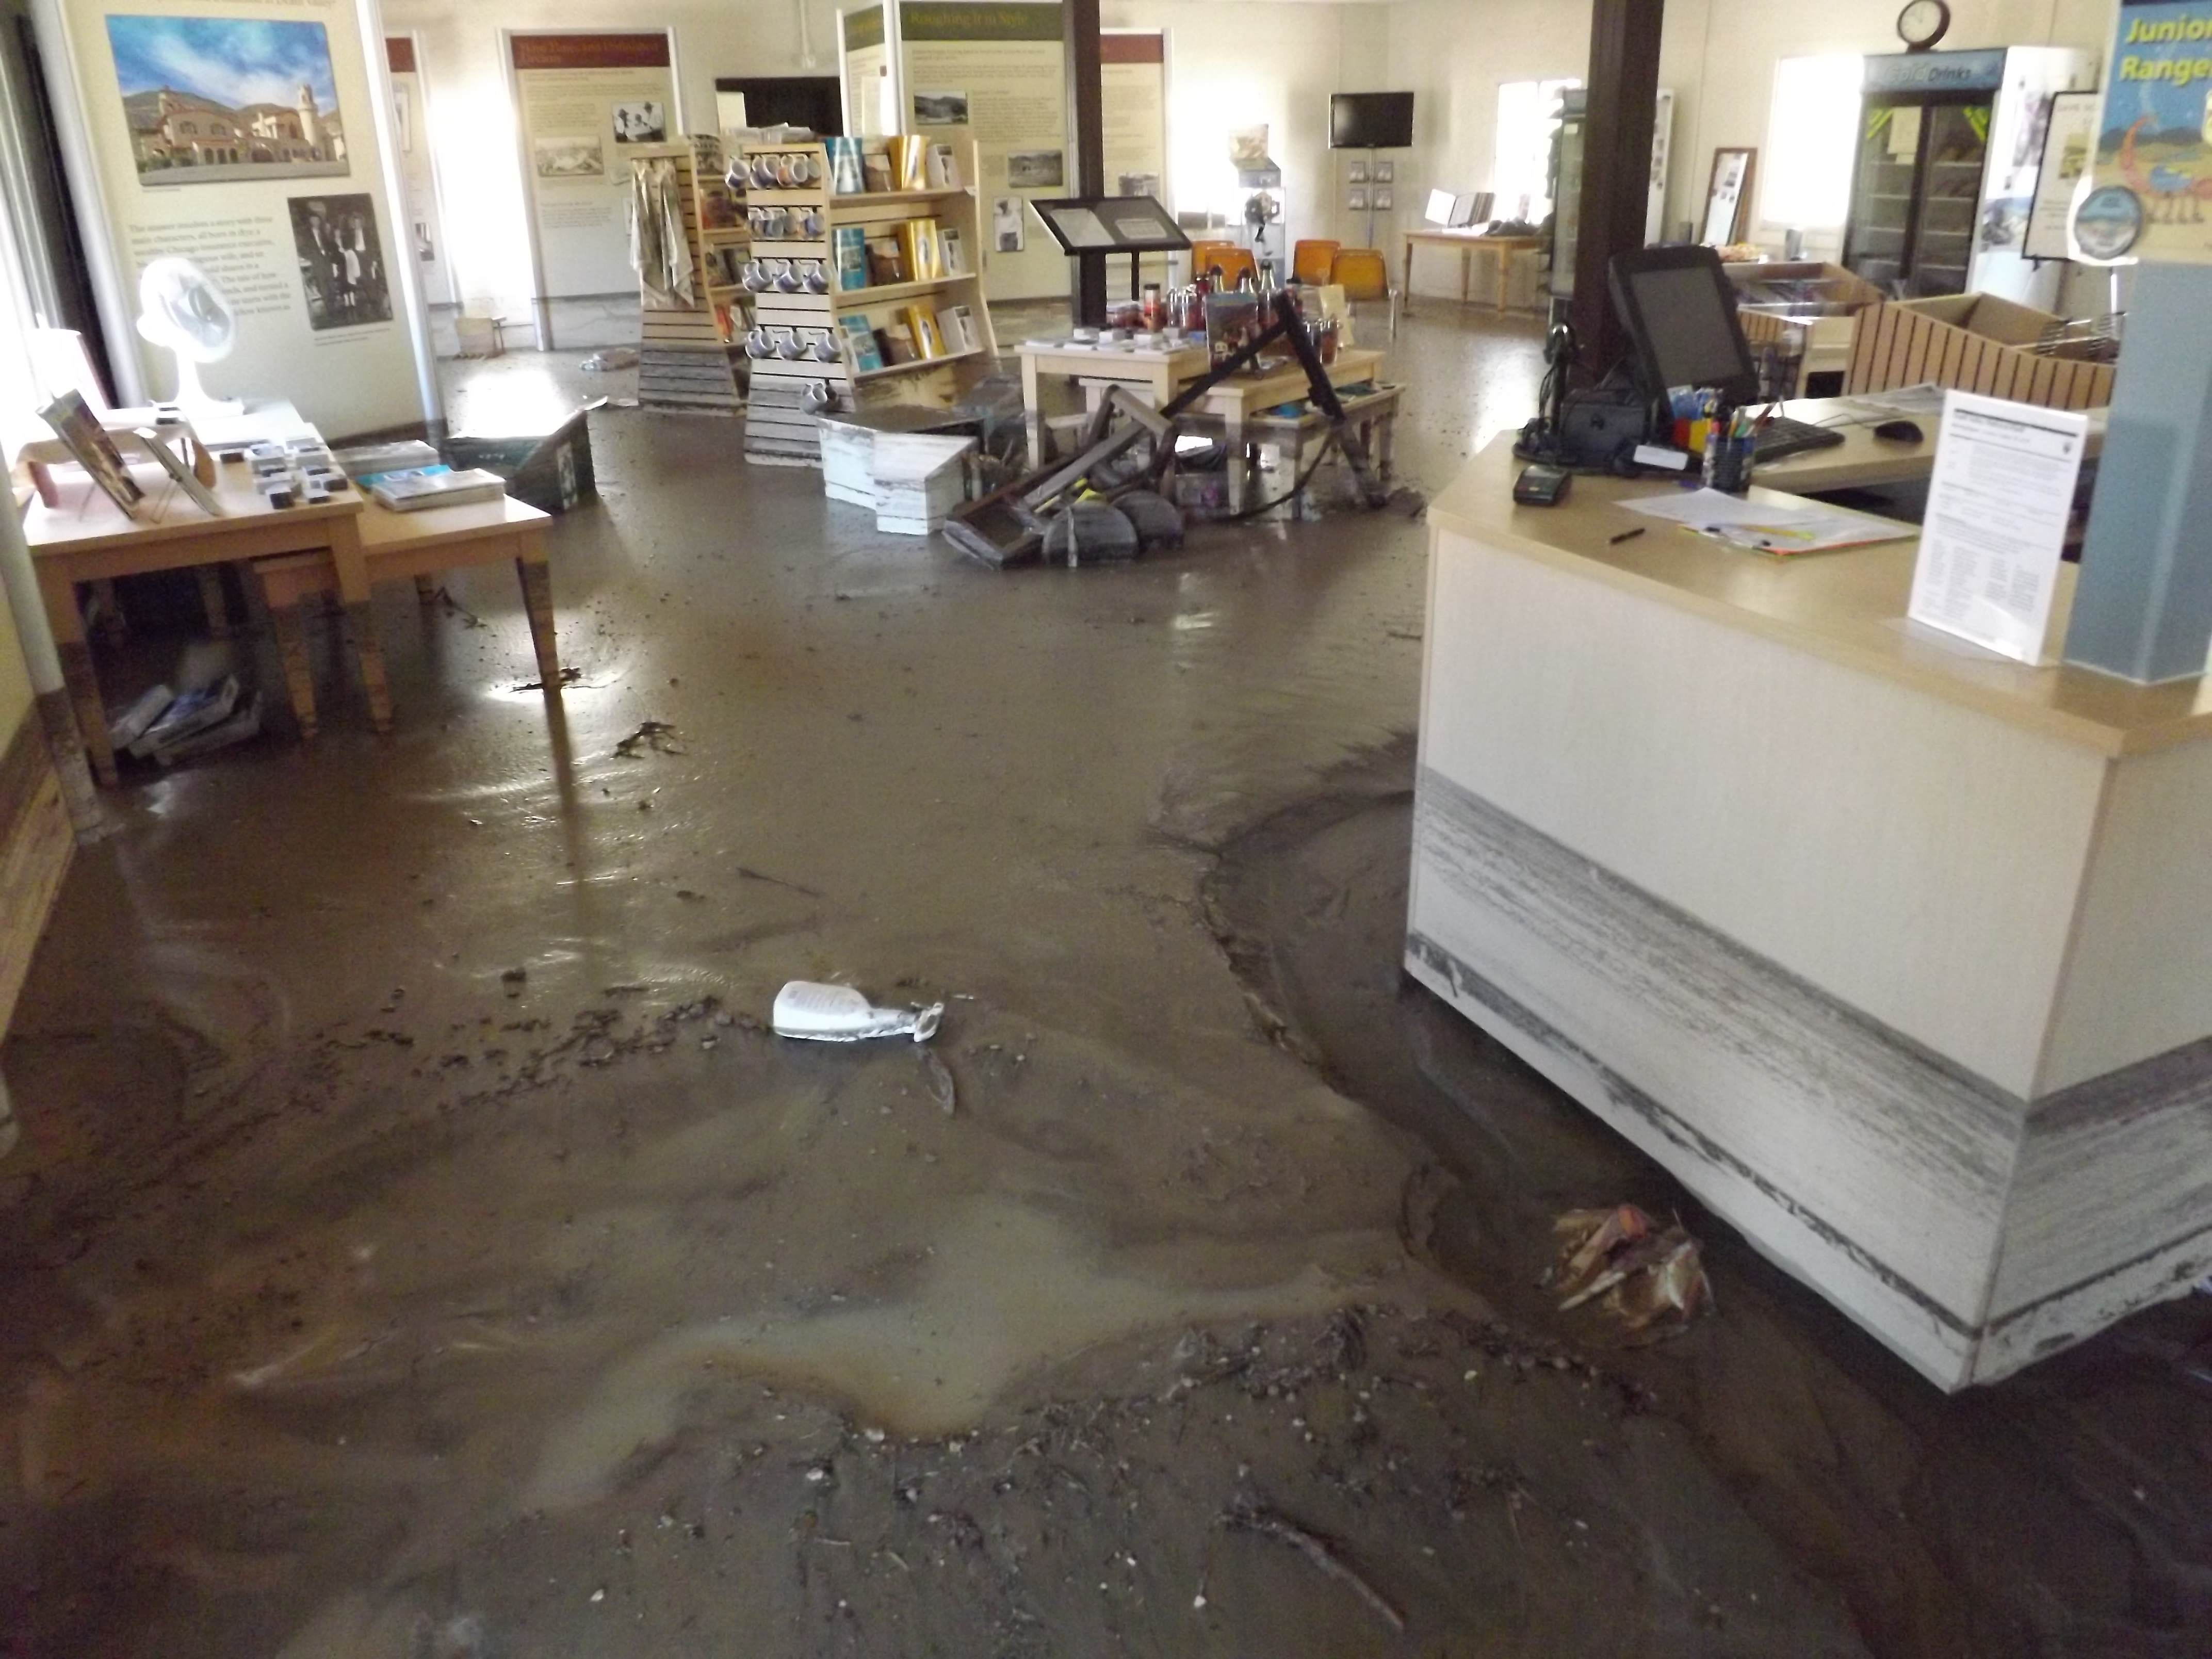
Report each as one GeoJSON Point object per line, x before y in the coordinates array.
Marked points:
{"type": "Point", "coordinates": [941, 1088]}
{"type": "Point", "coordinates": [1652, 1279]}
{"type": "Point", "coordinates": [614, 357]}
{"type": "Point", "coordinates": [1247, 1517]}
{"type": "Point", "coordinates": [569, 675]}
{"type": "Point", "coordinates": [838, 1013]}
{"type": "Point", "coordinates": [453, 607]}
{"type": "Point", "coordinates": [659, 736]}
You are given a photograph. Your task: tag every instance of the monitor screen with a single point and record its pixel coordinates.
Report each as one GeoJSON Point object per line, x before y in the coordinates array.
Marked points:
{"type": "Point", "coordinates": [1439, 211]}
{"type": "Point", "coordinates": [1371, 120]}
{"type": "Point", "coordinates": [1680, 311]}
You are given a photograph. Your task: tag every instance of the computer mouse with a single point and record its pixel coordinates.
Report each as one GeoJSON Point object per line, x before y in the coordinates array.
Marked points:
{"type": "Point", "coordinates": [1901, 432]}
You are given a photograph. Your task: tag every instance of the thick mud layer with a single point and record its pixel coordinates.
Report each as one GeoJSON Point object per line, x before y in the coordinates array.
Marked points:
{"type": "Point", "coordinates": [2062, 1512]}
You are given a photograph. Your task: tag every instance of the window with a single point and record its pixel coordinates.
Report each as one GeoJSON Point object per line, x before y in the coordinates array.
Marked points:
{"type": "Point", "coordinates": [1528, 115]}
{"type": "Point", "coordinates": [1812, 139]}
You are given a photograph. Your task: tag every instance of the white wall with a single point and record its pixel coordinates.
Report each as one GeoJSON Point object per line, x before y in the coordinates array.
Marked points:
{"type": "Point", "coordinates": [1718, 56]}
{"type": "Point", "coordinates": [1230, 64]}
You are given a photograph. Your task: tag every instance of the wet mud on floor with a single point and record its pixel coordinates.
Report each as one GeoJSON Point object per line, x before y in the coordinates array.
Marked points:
{"type": "Point", "coordinates": [2061, 1512]}
{"type": "Point", "coordinates": [417, 1248]}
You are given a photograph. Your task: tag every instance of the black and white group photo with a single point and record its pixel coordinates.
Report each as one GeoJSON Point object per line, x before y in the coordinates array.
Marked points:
{"type": "Point", "coordinates": [341, 266]}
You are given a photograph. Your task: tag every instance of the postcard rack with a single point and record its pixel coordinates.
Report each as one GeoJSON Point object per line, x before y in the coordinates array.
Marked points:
{"type": "Point", "coordinates": [787, 391]}
{"type": "Point", "coordinates": [690, 358]}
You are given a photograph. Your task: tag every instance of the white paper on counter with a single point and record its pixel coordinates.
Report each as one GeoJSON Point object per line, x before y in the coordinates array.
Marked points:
{"type": "Point", "coordinates": [1997, 509]}
{"type": "Point", "coordinates": [1766, 526]}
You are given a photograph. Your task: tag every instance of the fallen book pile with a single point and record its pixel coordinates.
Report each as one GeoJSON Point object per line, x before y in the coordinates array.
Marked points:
{"type": "Point", "coordinates": [166, 728]}
{"type": "Point", "coordinates": [1109, 502]}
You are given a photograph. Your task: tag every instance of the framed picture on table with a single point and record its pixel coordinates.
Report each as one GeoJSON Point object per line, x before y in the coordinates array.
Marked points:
{"type": "Point", "coordinates": [1728, 197]}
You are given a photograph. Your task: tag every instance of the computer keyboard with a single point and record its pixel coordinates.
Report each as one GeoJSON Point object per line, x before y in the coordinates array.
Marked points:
{"type": "Point", "coordinates": [1782, 437]}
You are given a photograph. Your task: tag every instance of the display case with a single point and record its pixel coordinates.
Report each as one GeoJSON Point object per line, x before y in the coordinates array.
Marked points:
{"type": "Point", "coordinates": [1949, 146]}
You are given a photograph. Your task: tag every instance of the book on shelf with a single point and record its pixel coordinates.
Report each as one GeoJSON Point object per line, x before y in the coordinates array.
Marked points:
{"type": "Point", "coordinates": [910, 158]}
{"type": "Point", "coordinates": [848, 177]}
{"type": "Point", "coordinates": [921, 322]}
{"type": "Point", "coordinates": [897, 343]}
{"type": "Point", "coordinates": [860, 343]}
{"type": "Point", "coordinates": [850, 243]}
{"type": "Point", "coordinates": [951, 251]}
{"type": "Point", "coordinates": [917, 241]}
{"type": "Point", "coordinates": [942, 169]}
{"type": "Point", "coordinates": [956, 326]}
{"type": "Point", "coordinates": [876, 172]}
{"type": "Point", "coordinates": [886, 262]}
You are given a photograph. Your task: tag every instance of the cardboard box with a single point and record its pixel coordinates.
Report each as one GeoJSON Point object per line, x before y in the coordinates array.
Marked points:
{"type": "Point", "coordinates": [1804, 306]}
{"type": "Point", "coordinates": [1972, 343]}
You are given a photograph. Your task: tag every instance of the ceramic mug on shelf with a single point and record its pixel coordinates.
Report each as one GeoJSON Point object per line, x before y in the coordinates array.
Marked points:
{"type": "Point", "coordinates": [757, 345]}
{"type": "Point", "coordinates": [807, 224]}
{"type": "Point", "coordinates": [787, 280]}
{"type": "Point", "coordinates": [823, 348]}
{"type": "Point", "coordinates": [816, 279]}
{"type": "Point", "coordinates": [787, 345]}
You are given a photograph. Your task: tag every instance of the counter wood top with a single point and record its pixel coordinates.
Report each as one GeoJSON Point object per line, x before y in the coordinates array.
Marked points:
{"type": "Point", "coordinates": [1848, 606]}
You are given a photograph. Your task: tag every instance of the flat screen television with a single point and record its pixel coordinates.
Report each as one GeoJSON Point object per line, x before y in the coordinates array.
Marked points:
{"type": "Point", "coordinates": [1371, 120]}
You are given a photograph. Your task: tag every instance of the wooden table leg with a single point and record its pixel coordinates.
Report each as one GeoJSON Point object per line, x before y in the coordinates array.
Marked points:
{"type": "Point", "coordinates": [67, 623]}
{"type": "Point", "coordinates": [1033, 411]}
{"type": "Point", "coordinates": [360, 618]}
{"type": "Point", "coordinates": [212, 600]}
{"type": "Point", "coordinates": [1465, 267]}
{"type": "Point", "coordinates": [1240, 461]}
{"type": "Point", "coordinates": [1504, 267]}
{"type": "Point", "coordinates": [291, 625]}
{"type": "Point", "coordinates": [426, 589]}
{"type": "Point", "coordinates": [1405, 283]}
{"type": "Point", "coordinates": [538, 604]}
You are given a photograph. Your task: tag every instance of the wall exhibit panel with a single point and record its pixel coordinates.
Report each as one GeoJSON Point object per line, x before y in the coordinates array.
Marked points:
{"type": "Point", "coordinates": [251, 144]}
{"type": "Point", "coordinates": [582, 100]}
{"type": "Point", "coordinates": [1776, 795]}
{"type": "Point", "coordinates": [1000, 69]}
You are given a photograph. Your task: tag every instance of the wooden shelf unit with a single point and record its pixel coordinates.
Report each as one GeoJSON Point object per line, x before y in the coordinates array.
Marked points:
{"type": "Point", "coordinates": [780, 425]}
{"type": "Point", "coordinates": [685, 360]}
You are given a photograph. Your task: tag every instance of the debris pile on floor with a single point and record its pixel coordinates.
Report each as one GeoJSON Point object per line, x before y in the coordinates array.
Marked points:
{"type": "Point", "coordinates": [168, 727]}
{"type": "Point", "coordinates": [1075, 510]}
{"type": "Point", "coordinates": [1652, 1279]}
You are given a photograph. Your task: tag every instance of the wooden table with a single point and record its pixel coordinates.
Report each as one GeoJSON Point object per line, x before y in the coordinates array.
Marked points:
{"type": "Point", "coordinates": [1863, 461]}
{"type": "Point", "coordinates": [1236, 400]}
{"type": "Point", "coordinates": [354, 544]}
{"type": "Point", "coordinates": [86, 537]}
{"type": "Point", "coordinates": [416, 544]}
{"type": "Point", "coordinates": [1467, 241]}
{"type": "Point", "coordinates": [1047, 369]}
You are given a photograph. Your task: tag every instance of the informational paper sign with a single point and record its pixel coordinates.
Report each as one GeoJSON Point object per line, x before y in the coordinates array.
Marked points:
{"type": "Point", "coordinates": [2069, 142]}
{"type": "Point", "coordinates": [1997, 509]}
{"type": "Point", "coordinates": [426, 236]}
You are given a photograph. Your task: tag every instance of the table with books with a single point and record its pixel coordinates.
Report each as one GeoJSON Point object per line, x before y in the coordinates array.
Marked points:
{"type": "Point", "coordinates": [79, 532]}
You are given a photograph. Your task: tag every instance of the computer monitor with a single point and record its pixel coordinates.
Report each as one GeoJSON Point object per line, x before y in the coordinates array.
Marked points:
{"type": "Point", "coordinates": [1472, 209]}
{"type": "Point", "coordinates": [1678, 307]}
{"type": "Point", "coordinates": [1439, 210]}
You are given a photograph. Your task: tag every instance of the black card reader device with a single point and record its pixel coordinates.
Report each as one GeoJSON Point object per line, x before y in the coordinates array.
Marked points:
{"type": "Point", "coordinates": [1541, 486]}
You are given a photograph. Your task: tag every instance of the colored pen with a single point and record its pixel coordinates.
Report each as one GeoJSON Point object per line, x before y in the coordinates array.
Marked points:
{"type": "Point", "coordinates": [1625, 536]}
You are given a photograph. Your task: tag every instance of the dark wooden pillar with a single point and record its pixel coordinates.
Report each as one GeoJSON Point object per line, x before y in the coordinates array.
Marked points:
{"type": "Point", "coordinates": [1624, 102]}
{"type": "Point", "coordinates": [1085, 132]}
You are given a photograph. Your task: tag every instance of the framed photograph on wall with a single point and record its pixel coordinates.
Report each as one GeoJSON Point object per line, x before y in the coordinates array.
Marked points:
{"type": "Point", "coordinates": [1727, 197]}
{"type": "Point", "coordinates": [1355, 199]}
{"type": "Point", "coordinates": [1355, 173]}
{"type": "Point", "coordinates": [1382, 200]}
{"type": "Point", "coordinates": [1386, 172]}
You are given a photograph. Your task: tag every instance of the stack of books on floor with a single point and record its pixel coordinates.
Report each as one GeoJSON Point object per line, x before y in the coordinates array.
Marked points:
{"type": "Point", "coordinates": [166, 728]}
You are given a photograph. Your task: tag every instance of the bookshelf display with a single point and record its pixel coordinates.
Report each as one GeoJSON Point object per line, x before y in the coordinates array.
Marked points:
{"type": "Point", "coordinates": [692, 357]}
{"type": "Point", "coordinates": [893, 321]}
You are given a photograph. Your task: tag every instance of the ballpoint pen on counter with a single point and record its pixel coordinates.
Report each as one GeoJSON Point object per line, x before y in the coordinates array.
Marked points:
{"type": "Point", "coordinates": [1625, 536]}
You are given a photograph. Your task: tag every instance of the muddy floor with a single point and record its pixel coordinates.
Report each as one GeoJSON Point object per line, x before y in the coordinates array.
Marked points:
{"type": "Point", "coordinates": [418, 1247]}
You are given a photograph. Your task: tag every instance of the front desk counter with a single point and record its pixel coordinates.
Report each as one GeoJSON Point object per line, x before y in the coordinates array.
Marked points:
{"type": "Point", "coordinates": [1896, 953]}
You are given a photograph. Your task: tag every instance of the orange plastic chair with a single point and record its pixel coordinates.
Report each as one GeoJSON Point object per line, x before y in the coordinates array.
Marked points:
{"type": "Point", "coordinates": [1363, 274]}
{"type": "Point", "coordinates": [1233, 262]}
{"type": "Point", "coordinates": [1311, 262]}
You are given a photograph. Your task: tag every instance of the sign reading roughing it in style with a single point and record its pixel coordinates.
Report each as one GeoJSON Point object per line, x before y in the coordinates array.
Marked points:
{"type": "Point", "coordinates": [2151, 197]}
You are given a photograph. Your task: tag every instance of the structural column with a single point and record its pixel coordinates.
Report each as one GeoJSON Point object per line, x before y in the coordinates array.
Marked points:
{"type": "Point", "coordinates": [1086, 100]}
{"type": "Point", "coordinates": [2142, 608]}
{"type": "Point", "coordinates": [1624, 102]}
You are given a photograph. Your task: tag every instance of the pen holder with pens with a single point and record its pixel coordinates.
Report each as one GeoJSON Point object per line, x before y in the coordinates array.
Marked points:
{"type": "Point", "coordinates": [1728, 460]}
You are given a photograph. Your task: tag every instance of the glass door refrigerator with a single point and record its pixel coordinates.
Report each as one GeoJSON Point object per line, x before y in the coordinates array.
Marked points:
{"type": "Point", "coordinates": [1950, 143]}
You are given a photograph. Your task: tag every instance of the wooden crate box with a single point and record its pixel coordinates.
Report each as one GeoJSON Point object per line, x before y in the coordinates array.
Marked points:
{"type": "Point", "coordinates": [1972, 343]}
